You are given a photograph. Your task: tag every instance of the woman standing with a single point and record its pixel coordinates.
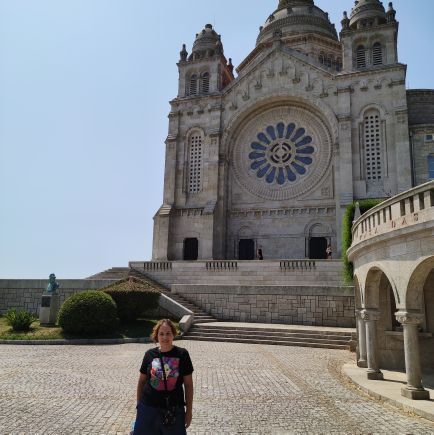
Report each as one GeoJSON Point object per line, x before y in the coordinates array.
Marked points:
{"type": "Point", "coordinates": [160, 394]}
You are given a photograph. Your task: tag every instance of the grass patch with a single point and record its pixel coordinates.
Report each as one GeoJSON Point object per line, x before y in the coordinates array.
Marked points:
{"type": "Point", "coordinates": [137, 329]}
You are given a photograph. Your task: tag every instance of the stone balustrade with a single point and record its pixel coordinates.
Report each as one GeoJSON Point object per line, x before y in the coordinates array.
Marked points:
{"type": "Point", "coordinates": [413, 207]}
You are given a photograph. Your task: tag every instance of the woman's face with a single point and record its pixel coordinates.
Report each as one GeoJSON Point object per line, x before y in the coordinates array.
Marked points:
{"type": "Point", "coordinates": [165, 336]}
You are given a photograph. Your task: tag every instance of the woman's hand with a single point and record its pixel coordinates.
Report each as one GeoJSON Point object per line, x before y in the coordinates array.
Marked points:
{"type": "Point", "coordinates": [188, 418]}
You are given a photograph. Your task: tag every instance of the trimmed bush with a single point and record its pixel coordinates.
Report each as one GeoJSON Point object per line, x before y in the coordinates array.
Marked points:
{"type": "Point", "coordinates": [133, 297]}
{"type": "Point", "coordinates": [89, 312]}
{"type": "Point", "coordinates": [20, 320]}
{"type": "Point", "coordinates": [347, 236]}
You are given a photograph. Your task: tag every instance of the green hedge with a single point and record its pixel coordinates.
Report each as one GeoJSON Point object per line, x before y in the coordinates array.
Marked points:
{"type": "Point", "coordinates": [347, 236]}
{"type": "Point", "coordinates": [133, 296]}
{"type": "Point", "coordinates": [87, 313]}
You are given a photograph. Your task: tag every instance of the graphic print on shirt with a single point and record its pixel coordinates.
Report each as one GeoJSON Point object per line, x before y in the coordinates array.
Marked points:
{"type": "Point", "coordinates": [171, 367]}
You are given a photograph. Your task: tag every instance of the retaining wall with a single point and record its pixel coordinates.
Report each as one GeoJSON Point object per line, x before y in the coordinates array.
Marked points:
{"type": "Point", "coordinates": [26, 293]}
{"type": "Point", "coordinates": [293, 305]}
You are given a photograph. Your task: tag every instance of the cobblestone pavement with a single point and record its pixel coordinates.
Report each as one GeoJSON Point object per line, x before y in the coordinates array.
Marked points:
{"type": "Point", "coordinates": [239, 389]}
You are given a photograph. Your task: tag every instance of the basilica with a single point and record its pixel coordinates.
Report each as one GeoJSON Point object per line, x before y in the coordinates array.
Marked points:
{"type": "Point", "coordinates": [267, 156]}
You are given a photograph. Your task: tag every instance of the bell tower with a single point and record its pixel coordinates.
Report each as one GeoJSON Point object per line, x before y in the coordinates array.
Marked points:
{"type": "Point", "coordinates": [369, 36]}
{"type": "Point", "coordinates": [206, 71]}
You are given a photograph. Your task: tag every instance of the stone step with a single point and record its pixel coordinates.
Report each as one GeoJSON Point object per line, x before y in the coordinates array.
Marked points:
{"type": "Point", "coordinates": [286, 337]}
{"type": "Point", "coordinates": [210, 320]}
{"type": "Point", "coordinates": [269, 342]}
{"type": "Point", "coordinates": [253, 329]}
{"type": "Point", "coordinates": [199, 330]}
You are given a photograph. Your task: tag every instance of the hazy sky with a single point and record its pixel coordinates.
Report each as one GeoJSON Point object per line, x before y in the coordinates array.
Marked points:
{"type": "Point", "coordinates": [84, 91]}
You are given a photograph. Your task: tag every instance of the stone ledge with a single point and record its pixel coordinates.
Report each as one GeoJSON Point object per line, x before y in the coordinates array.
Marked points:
{"type": "Point", "coordinates": [389, 390]}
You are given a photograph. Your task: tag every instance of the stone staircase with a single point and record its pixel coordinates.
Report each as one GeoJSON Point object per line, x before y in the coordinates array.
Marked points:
{"type": "Point", "coordinates": [200, 316]}
{"type": "Point", "coordinates": [118, 273]}
{"type": "Point", "coordinates": [285, 335]}
{"type": "Point", "coordinates": [207, 328]}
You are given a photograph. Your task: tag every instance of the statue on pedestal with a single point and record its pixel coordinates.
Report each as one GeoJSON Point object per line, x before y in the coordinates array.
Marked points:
{"type": "Point", "coordinates": [50, 302]}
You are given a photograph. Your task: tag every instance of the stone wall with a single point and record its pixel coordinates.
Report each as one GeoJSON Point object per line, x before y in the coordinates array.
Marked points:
{"type": "Point", "coordinates": [420, 104]}
{"type": "Point", "coordinates": [297, 305]}
{"type": "Point", "coordinates": [26, 293]}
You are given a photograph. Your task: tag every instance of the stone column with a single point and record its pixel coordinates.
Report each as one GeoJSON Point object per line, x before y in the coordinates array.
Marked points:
{"type": "Point", "coordinates": [361, 330]}
{"type": "Point", "coordinates": [370, 318]}
{"type": "Point", "coordinates": [414, 389]}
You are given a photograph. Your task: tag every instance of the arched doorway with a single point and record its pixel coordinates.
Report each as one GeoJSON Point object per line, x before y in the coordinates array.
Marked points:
{"type": "Point", "coordinates": [317, 248]}
{"type": "Point", "coordinates": [318, 236]}
{"type": "Point", "coordinates": [191, 249]}
{"type": "Point", "coordinates": [246, 249]}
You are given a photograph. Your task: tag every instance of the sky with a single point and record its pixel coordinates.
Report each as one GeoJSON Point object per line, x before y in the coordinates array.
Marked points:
{"type": "Point", "coordinates": [85, 87]}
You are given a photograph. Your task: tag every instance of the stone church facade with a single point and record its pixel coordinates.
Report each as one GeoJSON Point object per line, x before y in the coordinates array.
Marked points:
{"type": "Point", "coordinates": [313, 121]}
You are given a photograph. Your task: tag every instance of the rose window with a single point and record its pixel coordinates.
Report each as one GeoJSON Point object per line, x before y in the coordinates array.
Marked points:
{"type": "Point", "coordinates": [282, 153]}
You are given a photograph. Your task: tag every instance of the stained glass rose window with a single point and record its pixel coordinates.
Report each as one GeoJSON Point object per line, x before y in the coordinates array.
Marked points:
{"type": "Point", "coordinates": [281, 153]}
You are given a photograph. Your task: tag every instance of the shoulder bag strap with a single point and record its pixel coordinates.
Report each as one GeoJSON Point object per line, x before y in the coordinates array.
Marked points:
{"type": "Point", "coordinates": [163, 369]}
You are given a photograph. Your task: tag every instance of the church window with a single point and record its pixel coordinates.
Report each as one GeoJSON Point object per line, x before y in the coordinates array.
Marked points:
{"type": "Point", "coordinates": [193, 85]}
{"type": "Point", "coordinates": [321, 58]}
{"type": "Point", "coordinates": [282, 154]}
{"type": "Point", "coordinates": [329, 61]}
{"type": "Point", "coordinates": [372, 136]}
{"type": "Point", "coordinates": [195, 164]}
{"type": "Point", "coordinates": [205, 83]}
{"type": "Point", "coordinates": [361, 57]}
{"type": "Point", "coordinates": [377, 54]}
{"type": "Point", "coordinates": [431, 167]}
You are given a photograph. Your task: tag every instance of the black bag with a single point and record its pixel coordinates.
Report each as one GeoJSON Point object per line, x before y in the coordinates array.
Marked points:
{"type": "Point", "coordinates": [168, 415]}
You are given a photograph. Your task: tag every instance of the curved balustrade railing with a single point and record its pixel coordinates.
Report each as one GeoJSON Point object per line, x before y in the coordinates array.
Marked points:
{"type": "Point", "coordinates": [409, 208]}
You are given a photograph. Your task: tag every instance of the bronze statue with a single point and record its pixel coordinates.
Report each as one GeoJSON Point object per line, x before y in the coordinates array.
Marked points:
{"type": "Point", "coordinates": [53, 285]}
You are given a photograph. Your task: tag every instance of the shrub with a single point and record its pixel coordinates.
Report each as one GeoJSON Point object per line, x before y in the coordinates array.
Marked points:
{"type": "Point", "coordinates": [347, 236]}
{"type": "Point", "coordinates": [89, 312]}
{"type": "Point", "coordinates": [20, 320]}
{"type": "Point", "coordinates": [133, 296]}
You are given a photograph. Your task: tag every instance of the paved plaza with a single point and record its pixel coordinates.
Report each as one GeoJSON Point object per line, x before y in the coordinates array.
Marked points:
{"type": "Point", "coordinates": [239, 389]}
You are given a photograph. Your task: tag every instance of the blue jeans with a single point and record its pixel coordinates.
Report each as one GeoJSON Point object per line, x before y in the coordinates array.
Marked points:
{"type": "Point", "coordinates": [149, 421]}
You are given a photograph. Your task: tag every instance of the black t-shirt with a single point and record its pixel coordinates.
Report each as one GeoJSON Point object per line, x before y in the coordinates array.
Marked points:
{"type": "Point", "coordinates": [177, 364]}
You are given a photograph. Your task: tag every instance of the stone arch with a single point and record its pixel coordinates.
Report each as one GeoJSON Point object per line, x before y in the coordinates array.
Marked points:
{"type": "Point", "coordinates": [372, 287]}
{"type": "Point", "coordinates": [418, 279]}
{"type": "Point", "coordinates": [317, 228]}
{"type": "Point", "coordinates": [245, 232]}
{"type": "Point", "coordinates": [192, 130]}
{"type": "Point", "coordinates": [373, 106]}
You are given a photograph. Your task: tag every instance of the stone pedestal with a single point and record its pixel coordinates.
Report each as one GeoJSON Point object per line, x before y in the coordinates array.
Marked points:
{"type": "Point", "coordinates": [50, 305]}
{"type": "Point", "coordinates": [361, 330]}
{"type": "Point", "coordinates": [414, 389]}
{"type": "Point", "coordinates": [370, 318]}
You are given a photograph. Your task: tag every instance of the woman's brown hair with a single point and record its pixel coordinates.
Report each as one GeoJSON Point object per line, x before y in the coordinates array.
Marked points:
{"type": "Point", "coordinates": [168, 322]}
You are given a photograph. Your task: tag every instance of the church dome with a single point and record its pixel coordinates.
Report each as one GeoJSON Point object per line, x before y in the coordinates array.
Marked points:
{"type": "Point", "coordinates": [207, 42]}
{"type": "Point", "coordinates": [367, 10]}
{"type": "Point", "coordinates": [295, 17]}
